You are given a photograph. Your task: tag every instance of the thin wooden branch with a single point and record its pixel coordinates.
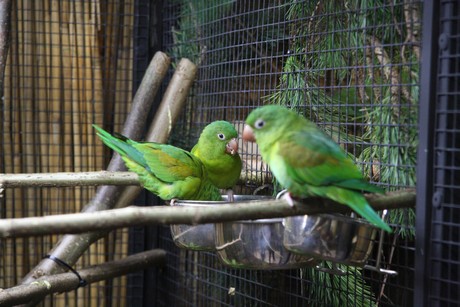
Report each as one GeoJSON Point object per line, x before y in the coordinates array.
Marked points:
{"type": "Point", "coordinates": [173, 101]}
{"type": "Point", "coordinates": [68, 179]}
{"type": "Point", "coordinates": [71, 179]}
{"type": "Point", "coordinates": [110, 219]}
{"type": "Point", "coordinates": [65, 282]}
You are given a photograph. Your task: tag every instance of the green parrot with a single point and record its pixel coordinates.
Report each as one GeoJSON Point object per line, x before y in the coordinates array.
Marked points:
{"type": "Point", "coordinates": [307, 162]}
{"type": "Point", "coordinates": [170, 172]}
{"type": "Point", "coordinates": [216, 139]}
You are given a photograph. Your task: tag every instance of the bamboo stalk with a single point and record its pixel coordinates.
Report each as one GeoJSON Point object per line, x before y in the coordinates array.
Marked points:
{"type": "Point", "coordinates": [123, 236]}
{"type": "Point", "coordinates": [56, 122]}
{"type": "Point", "coordinates": [5, 26]}
{"type": "Point", "coordinates": [125, 54]}
{"type": "Point", "coordinates": [166, 215]}
{"type": "Point", "coordinates": [65, 97]}
{"type": "Point", "coordinates": [111, 20]}
{"type": "Point", "coordinates": [14, 137]}
{"type": "Point", "coordinates": [65, 103]}
{"type": "Point", "coordinates": [93, 105]}
{"type": "Point", "coordinates": [9, 126]}
{"type": "Point", "coordinates": [65, 83]}
{"type": "Point", "coordinates": [42, 108]}
{"type": "Point", "coordinates": [8, 14]}
{"type": "Point", "coordinates": [76, 96]}
{"type": "Point", "coordinates": [65, 282]}
{"type": "Point", "coordinates": [76, 66]}
{"type": "Point", "coordinates": [28, 126]}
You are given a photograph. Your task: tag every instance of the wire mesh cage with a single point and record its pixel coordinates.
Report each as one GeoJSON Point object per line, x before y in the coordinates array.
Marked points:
{"type": "Point", "coordinates": [353, 68]}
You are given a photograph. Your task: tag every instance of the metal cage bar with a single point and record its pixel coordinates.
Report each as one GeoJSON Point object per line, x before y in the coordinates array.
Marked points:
{"type": "Point", "coordinates": [438, 213]}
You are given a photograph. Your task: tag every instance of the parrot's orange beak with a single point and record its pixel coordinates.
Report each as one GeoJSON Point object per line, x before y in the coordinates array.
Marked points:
{"type": "Point", "coordinates": [232, 147]}
{"type": "Point", "coordinates": [248, 134]}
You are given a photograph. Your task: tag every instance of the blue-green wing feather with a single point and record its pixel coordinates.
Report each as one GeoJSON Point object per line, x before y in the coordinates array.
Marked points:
{"type": "Point", "coordinates": [313, 158]}
{"type": "Point", "coordinates": [165, 170]}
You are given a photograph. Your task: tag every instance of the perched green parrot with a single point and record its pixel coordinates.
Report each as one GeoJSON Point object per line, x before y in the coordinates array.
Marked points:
{"type": "Point", "coordinates": [307, 162]}
{"type": "Point", "coordinates": [216, 139]}
{"type": "Point", "coordinates": [170, 172]}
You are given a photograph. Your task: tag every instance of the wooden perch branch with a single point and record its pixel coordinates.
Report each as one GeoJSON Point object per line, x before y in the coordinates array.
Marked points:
{"type": "Point", "coordinates": [68, 179]}
{"type": "Point", "coordinates": [110, 219]}
{"type": "Point", "coordinates": [65, 282]}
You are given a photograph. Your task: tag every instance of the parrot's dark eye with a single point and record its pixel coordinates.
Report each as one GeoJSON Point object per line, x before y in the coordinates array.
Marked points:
{"type": "Point", "coordinates": [259, 123]}
{"type": "Point", "coordinates": [221, 136]}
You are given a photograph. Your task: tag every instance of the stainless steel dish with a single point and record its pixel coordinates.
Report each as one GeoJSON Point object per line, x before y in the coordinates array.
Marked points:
{"type": "Point", "coordinates": [202, 237]}
{"type": "Point", "coordinates": [332, 237]}
{"type": "Point", "coordinates": [256, 245]}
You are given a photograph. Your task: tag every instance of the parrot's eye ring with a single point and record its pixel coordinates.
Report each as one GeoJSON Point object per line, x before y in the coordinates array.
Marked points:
{"type": "Point", "coordinates": [221, 136]}
{"type": "Point", "coordinates": [260, 123]}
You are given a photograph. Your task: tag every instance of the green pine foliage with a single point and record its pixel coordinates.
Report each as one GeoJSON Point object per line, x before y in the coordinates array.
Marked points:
{"type": "Point", "coordinates": [347, 289]}
{"type": "Point", "coordinates": [196, 20]}
{"type": "Point", "coordinates": [348, 67]}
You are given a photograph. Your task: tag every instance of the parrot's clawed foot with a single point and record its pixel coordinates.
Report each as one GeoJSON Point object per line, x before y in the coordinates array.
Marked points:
{"type": "Point", "coordinates": [173, 201]}
{"type": "Point", "coordinates": [284, 194]}
{"type": "Point", "coordinates": [230, 195]}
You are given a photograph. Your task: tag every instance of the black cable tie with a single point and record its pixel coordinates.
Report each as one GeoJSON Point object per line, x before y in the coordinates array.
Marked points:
{"type": "Point", "coordinates": [81, 281]}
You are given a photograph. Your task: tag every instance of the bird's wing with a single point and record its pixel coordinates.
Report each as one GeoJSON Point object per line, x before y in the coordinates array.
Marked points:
{"type": "Point", "coordinates": [313, 158]}
{"type": "Point", "coordinates": [170, 164]}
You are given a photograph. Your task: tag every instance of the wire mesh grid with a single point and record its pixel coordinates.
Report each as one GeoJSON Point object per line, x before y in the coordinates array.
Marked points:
{"type": "Point", "coordinates": [443, 260]}
{"type": "Point", "coordinates": [352, 68]}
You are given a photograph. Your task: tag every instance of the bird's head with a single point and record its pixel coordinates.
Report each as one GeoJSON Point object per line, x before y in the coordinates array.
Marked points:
{"type": "Point", "coordinates": [222, 136]}
{"type": "Point", "coordinates": [265, 122]}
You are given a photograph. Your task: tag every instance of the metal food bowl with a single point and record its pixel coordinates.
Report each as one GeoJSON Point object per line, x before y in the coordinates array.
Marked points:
{"type": "Point", "coordinates": [201, 237]}
{"type": "Point", "coordinates": [332, 237]}
{"type": "Point", "coordinates": [256, 245]}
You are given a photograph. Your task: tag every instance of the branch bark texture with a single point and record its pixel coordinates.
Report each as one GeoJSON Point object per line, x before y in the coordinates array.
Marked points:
{"type": "Point", "coordinates": [65, 282]}
{"type": "Point", "coordinates": [110, 219]}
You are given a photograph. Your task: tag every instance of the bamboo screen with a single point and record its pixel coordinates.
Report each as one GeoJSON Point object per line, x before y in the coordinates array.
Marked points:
{"type": "Point", "coordinates": [69, 66]}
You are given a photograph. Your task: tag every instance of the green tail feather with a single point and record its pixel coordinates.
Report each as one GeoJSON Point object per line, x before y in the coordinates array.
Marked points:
{"type": "Point", "coordinates": [133, 158]}
{"type": "Point", "coordinates": [355, 201]}
{"type": "Point", "coordinates": [360, 185]}
{"type": "Point", "coordinates": [369, 214]}
{"type": "Point", "coordinates": [121, 146]}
